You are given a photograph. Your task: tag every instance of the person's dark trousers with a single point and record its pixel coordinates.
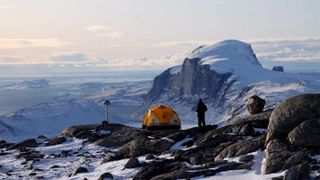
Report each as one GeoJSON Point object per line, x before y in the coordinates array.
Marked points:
{"type": "Point", "coordinates": [201, 119]}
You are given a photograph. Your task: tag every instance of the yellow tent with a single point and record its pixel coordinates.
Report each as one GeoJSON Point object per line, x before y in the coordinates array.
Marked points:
{"type": "Point", "coordinates": [161, 117]}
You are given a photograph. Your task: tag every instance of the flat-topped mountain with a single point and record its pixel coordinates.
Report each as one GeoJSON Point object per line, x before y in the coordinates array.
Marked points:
{"type": "Point", "coordinates": [224, 75]}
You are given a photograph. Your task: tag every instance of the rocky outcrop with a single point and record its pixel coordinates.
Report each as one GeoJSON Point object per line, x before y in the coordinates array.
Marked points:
{"type": "Point", "coordinates": [132, 163]}
{"type": "Point", "coordinates": [140, 147]}
{"type": "Point", "coordinates": [306, 134]}
{"type": "Point", "coordinates": [240, 148]}
{"type": "Point", "coordinates": [105, 176]}
{"type": "Point", "coordinates": [278, 68]}
{"type": "Point", "coordinates": [299, 172]}
{"type": "Point", "coordinates": [291, 113]}
{"type": "Point", "coordinates": [260, 120]}
{"type": "Point", "coordinates": [30, 143]}
{"type": "Point", "coordinates": [79, 170]}
{"type": "Point", "coordinates": [293, 136]}
{"type": "Point", "coordinates": [55, 141]}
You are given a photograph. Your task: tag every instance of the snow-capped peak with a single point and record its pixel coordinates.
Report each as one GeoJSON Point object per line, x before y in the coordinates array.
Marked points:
{"type": "Point", "coordinates": [227, 56]}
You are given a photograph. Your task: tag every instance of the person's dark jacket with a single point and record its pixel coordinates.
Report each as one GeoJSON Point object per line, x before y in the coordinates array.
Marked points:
{"type": "Point", "coordinates": [201, 107]}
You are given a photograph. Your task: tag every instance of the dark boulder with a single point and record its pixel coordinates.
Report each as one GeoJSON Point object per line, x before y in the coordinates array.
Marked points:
{"type": "Point", "coordinates": [105, 176]}
{"type": "Point", "coordinates": [143, 146]}
{"type": "Point", "coordinates": [30, 143]}
{"type": "Point", "coordinates": [255, 104]}
{"type": "Point", "coordinates": [246, 158]}
{"type": "Point", "coordinates": [306, 134]}
{"type": "Point", "coordinates": [299, 172]}
{"type": "Point", "coordinates": [157, 168]}
{"type": "Point", "coordinates": [241, 130]}
{"type": "Point", "coordinates": [241, 147]}
{"type": "Point", "coordinates": [177, 136]}
{"type": "Point", "coordinates": [172, 175]}
{"type": "Point", "coordinates": [150, 156]}
{"type": "Point", "coordinates": [260, 120]}
{"type": "Point", "coordinates": [56, 141]}
{"type": "Point", "coordinates": [278, 68]}
{"type": "Point", "coordinates": [43, 137]}
{"type": "Point", "coordinates": [119, 135]}
{"type": "Point", "coordinates": [132, 163]}
{"type": "Point", "coordinates": [79, 170]}
{"type": "Point", "coordinates": [296, 158]}
{"type": "Point", "coordinates": [277, 153]}
{"type": "Point", "coordinates": [195, 159]}
{"type": "Point", "coordinates": [214, 137]}
{"type": "Point", "coordinates": [76, 131]}
{"type": "Point", "coordinates": [291, 113]}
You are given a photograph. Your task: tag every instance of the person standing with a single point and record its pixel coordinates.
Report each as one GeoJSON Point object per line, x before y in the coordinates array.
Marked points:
{"type": "Point", "coordinates": [201, 110]}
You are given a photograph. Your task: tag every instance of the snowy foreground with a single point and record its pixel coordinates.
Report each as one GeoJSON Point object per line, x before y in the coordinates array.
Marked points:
{"type": "Point", "coordinates": [60, 161]}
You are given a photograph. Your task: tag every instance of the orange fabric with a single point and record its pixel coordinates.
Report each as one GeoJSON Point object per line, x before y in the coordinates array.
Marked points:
{"type": "Point", "coordinates": [161, 115]}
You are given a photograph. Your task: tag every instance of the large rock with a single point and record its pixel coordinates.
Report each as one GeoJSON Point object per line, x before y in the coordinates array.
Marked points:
{"type": "Point", "coordinates": [306, 134]}
{"type": "Point", "coordinates": [105, 176]}
{"type": "Point", "coordinates": [132, 163]}
{"type": "Point", "coordinates": [31, 143]}
{"type": "Point", "coordinates": [56, 141]}
{"type": "Point", "coordinates": [278, 68]}
{"type": "Point", "coordinates": [157, 168]}
{"type": "Point", "coordinates": [241, 147]}
{"type": "Point", "coordinates": [143, 146]}
{"type": "Point", "coordinates": [291, 113]}
{"type": "Point", "coordinates": [260, 120]}
{"type": "Point", "coordinates": [277, 153]}
{"type": "Point", "coordinates": [79, 170]}
{"type": "Point", "coordinates": [255, 104]}
{"type": "Point", "coordinates": [299, 172]}
{"type": "Point", "coordinates": [80, 131]}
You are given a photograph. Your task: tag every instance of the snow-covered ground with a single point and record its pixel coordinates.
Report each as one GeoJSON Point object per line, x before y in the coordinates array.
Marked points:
{"type": "Point", "coordinates": [55, 164]}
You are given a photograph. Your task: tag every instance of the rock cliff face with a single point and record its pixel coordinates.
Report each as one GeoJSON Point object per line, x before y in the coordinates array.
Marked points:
{"type": "Point", "coordinates": [193, 80]}
{"type": "Point", "coordinates": [224, 75]}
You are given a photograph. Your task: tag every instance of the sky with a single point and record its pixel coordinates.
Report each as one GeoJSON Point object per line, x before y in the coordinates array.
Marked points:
{"type": "Point", "coordinates": [80, 35]}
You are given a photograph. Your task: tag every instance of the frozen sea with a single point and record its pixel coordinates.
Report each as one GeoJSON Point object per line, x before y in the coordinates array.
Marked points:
{"type": "Point", "coordinates": [30, 106]}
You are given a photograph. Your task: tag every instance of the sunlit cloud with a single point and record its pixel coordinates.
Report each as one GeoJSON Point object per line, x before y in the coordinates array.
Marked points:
{"type": "Point", "coordinates": [15, 43]}
{"type": "Point", "coordinates": [112, 35]}
{"type": "Point", "coordinates": [105, 31]}
{"type": "Point", "coordinates": [5, 7]}
{"type": "Point", "coordinates": [170, 44]}
{"type": "Point", "coordinates": [97, 28]}
{"type": "Point", "coordinates": [144, 62]}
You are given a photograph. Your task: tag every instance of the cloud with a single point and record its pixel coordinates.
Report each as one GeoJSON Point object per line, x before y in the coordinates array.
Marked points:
{"type": "Point", "coordinates": [70, 57]}
{"type": "Point", "coordinates": [97, 28]}
{"type": "Point", "coordinates": [144, 62]}
{"type": "Point", "coordinates": [5, 7]}
{"type": "Point", "coordinates": [169, 44]}
{"type": "Point", "coordinates": [6, 59]}
{"type": "Point", "coordinates": [112, 35]}
{"type": "Point", "coordinates": [16, 43]}
{"type": "Point", "coordinates": [308, 39]}
{"type": "Point", "coordinates": [302, 49]}
{"type": "Point", "coordinates": [105, 31]}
